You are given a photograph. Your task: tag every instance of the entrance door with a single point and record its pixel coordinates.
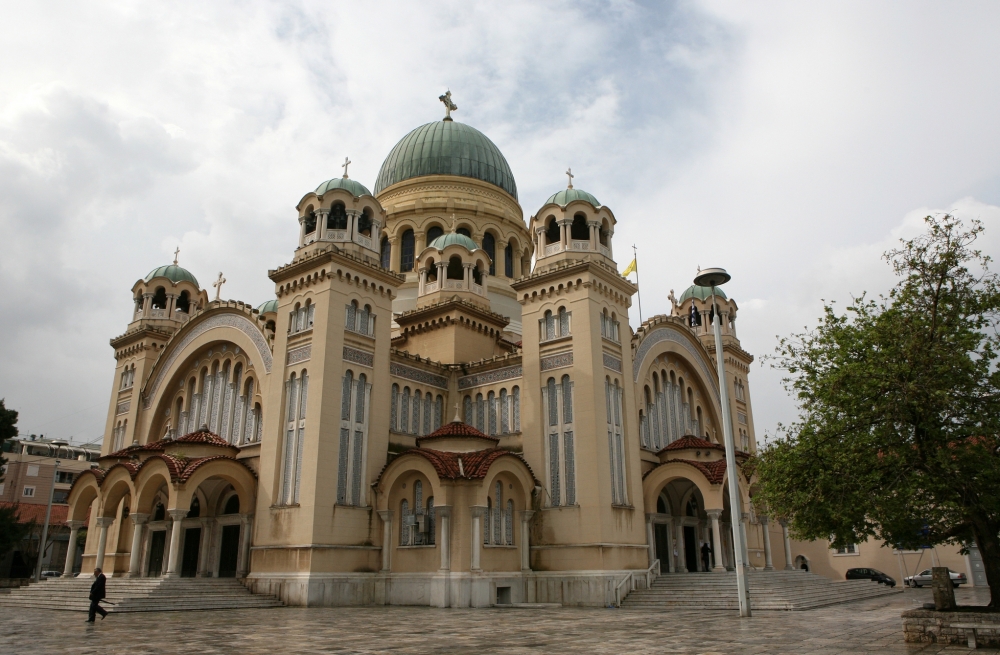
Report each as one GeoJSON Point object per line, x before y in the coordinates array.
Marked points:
{"type": "Point", "coordinates": [662, 546]}
{"type": "Point", "coordinates": [157, 540]}
{"type": "Point", "coordinates": [192, 546]}
{"type": "Point", "coordinates": [691, 548]}
{"type": "Point", "coordinates": [230, 551]}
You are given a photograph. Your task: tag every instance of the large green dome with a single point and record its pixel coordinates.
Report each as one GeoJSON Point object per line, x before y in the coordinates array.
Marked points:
{"type": "Point", "coordinates": [446, 148]}
{"type": "Point", "coordinates": [701, 293]}
{"type": "Point", "coordinates": [355, 188]}
{"type": "Point", "coordinates": [567, 196]}
{"type": "Point", "coordinates": [174, 273]}
{"type": "Point", "coordinates": [268, 306]}
{"type": "Point", "coordinates": [451, 238]}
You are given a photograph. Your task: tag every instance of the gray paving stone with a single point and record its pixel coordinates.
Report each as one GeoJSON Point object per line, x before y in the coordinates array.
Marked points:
{"type": "Point", "coordinates": [869, 626]}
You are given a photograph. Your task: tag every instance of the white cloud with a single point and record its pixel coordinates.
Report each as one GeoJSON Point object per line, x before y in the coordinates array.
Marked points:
{"type": "Point", "coordinates": [785, 141]}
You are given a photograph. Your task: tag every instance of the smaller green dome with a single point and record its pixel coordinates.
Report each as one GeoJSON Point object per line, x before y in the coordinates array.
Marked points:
{"type": "Point", "coordinates": [172, 272]}
{"type": "Point", "coordinates": [268, 307]}
{"type": "Point", "coordinates": [347, 184]}
{"type": "Point", "coordinates": [567, 196]}
{"type": "Point", "coordinates": [701, 293]}
{"type": "Point", "coordinates": [451, 238]}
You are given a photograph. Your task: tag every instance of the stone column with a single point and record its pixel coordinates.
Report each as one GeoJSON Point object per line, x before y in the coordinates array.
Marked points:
{"type": "Point", "coordinates": [681, 558]}
{"type": "Point", "coordinates": [716, 540]}
{"type": "Point", "coordinates": [74, 531]}
{"type": "Point", "coordinates": [321, 215]}
{"type": "Point", "coordinates": [138, 531]}
{"type": "Point", "coordinates": [444, 514]}
{"type": "Point", "coordinates": [564, 233]}
{"type": "Point", "coordinates": [477, 535]}
{"type": "Point", "coordinates": [386, 516]}
{"type": "Point", "coordinates": [205, 547]}
{"type": "Point", "coordinates": [651, 540]}
{"type": "Point", "coordinates": [174, 554]}
{"type": "Point", "coordinates": [594, 238]}
{"type": "Point", "coordinates": [788, 545]}
{"type": "Point", "coordinates": [526, 539]}
{"type": "Point", "coordinates": [246, 539]}
{"type": "Point", "coordinates": [423, 281]}
{"type": "Point", "coordinates": [467, 276]}
{"type": "Point", "coordinates": [744, 519]}
{"type": "Point", "coordinates": [102, 539]}
{"type": "Point", "coordinates": [395, 253]}
{"type": "Point", "coordinates": [302, 231]}
{"type": "Point", "coordinates": [768, 564]}
{"type": "Point", "coordinates": [670, 548]}
{"type": "Point", "coordinates": [419, 242]}
{"type": "Point", "coordinates": [442, 274]}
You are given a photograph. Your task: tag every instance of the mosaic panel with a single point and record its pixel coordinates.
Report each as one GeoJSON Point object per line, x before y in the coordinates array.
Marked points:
{"type": "Point", "coordinates": [299, 354]}
{"type": "Point", "coordinates": [418, 375]}
{"type": "Point", "coordinates": [236, 321]}
{"type": "Point", "coordinates": [557, 361]}
{"type": "Point", "coordinates": [123, 407]}
{"type": "Point", "coordinates": [489, 377]}
{"type": "Point", "coordinates": [612, 363]}
{"type": "Point", "coordinates": [359, 357]}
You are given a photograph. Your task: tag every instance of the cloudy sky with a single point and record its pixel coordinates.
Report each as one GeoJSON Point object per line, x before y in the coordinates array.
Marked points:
{"type": "Point", "coordinates": [791, 143]}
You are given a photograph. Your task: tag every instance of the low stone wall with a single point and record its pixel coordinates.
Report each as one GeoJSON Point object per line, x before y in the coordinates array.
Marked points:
{"type": "Point", "coordinates": [931, 626]}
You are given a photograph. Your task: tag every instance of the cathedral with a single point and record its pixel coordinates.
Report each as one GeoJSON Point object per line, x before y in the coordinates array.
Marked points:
{"type": "Point", "coordinates": [442, 404]}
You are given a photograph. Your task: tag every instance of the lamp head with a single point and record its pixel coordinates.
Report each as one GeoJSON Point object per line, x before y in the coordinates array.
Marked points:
{"type": "Point", "coordinates": [712, 277]}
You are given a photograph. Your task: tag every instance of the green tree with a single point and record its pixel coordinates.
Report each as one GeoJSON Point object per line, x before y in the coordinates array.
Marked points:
{"type": "Point", "coordinates": [11, 531]}
{"type": "Point", "coordinates": [899, 409]}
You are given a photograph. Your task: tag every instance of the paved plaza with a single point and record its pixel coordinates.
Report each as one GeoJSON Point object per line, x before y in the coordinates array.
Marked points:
{"type": "Point", "coordinates": [871, 626]}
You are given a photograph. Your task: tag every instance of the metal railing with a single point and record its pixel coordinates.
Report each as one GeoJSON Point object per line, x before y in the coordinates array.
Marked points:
{"type": "Point", "coordinates": [648, 576]}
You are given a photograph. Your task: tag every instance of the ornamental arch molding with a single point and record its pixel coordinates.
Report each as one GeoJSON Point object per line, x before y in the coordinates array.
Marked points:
{"type": "Point", "coordinates": [657, 479]}
{"type": "Point", "coordinates": [227, 326]}
{"type": "Point", "coordinates": [682, 343]}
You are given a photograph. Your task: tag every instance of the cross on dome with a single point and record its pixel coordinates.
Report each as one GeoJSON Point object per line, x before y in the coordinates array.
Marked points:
{"type": "Point", "coordinates": [449, 106]}
{"type": "Point", "coordinates": [176, 252]}
{"type": "Point", "coordinates": [347, 162]}
{"type": "Point", "coordinates": [218, 285]}
{"type": "Point", "coordinates": [569, 172]}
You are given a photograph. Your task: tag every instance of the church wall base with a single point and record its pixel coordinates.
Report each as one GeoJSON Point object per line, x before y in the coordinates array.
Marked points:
{"type": "Point", "coordinates": [443, 589]}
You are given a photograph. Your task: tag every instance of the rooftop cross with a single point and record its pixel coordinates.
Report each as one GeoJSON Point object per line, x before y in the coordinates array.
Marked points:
{"type": "Point", "coordinates": [176, 252]}
{"type": "Point", "coordinates": [347, 162]}
{"type": "Point", "coordinates": [449, 106]}
{"type": "Point", "coordinates": [218, 285]}
{"type": "Point", "coordinates": [569, 172]}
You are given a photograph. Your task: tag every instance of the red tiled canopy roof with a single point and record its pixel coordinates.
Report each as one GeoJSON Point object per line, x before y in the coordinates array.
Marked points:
{"type": "Point", "coordinates": [203, 436]}
{"type": "Point", "coordinates": [463, 466]}
{"type": "Point", "coordinates": [457, 429]}
{"type": "Point", "coordinates": [692, 442]}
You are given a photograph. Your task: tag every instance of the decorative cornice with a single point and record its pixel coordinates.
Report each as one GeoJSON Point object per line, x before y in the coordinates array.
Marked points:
{"type": "Point", "coordinates": [559, 360]}
{"type": "Point", "coordinates": [418, 375]}
{"type": "Point", "coordinates": [361, 357]}
{"type": "Point", "coordinates": [489, 377]}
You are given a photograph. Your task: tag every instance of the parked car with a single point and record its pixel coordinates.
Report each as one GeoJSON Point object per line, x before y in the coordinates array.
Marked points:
{"type": "Point", "coordinates": [925, 577]}
{"type": "Point", "coordinates": [870, 574]}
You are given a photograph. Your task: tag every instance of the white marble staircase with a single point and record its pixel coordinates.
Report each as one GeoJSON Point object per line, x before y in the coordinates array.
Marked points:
{"type": "Point", "coordinates": [769, 590]}
{"type": "Point", "coordinates": [139, 595]}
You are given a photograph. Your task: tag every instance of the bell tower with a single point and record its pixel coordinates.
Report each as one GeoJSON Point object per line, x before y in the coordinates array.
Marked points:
{"type": "Point", "coordinates": [580, 435]}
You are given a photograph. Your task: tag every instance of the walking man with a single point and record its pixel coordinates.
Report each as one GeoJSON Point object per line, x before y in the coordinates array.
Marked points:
{"type": "Point", "coordinates": [706, 556]}
{"type": "Point", "coordinates": [96, 596]}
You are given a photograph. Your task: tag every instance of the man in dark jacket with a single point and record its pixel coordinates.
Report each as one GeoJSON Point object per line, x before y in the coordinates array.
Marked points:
{"type": "Point", "coordinates": [96, 596]}
{"type": "Point", "coordinates": [706, 556]}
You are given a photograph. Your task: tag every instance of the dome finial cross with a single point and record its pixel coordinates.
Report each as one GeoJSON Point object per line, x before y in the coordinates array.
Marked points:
{"type": "Point", "coordinates": [218, 285]}
{"type": "Point", "coordinates": [449, 106]}
{"type": "Point", "coordinates": [176, 252]}
{"type": "Point", "coordinates": [347, 162]}
{"type": "Point", "coordinates": [569, 173]}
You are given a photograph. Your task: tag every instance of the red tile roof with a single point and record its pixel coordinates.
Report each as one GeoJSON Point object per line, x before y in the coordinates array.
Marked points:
{"type": "Point", "coordinates": [205, 437]}
{"type": "Point", "coordinates": [714, 472]}
{"type": "Point", "coordinates": [463, 466]}
{"type": "Point", "coordinates": [457, 429]}
{"type": "Point", "coordinates": [26, 512]}
{"type": "Point", "coordinates": [692, 442]}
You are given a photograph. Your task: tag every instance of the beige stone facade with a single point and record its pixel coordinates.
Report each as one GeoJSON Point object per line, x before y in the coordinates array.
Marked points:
{"type": "Point", "coordinates": [443, 404]}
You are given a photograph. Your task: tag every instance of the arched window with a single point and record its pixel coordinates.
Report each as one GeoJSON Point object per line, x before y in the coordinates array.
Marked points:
{"type": "Point", "coordinates": [504, 412]}
{"type": "Point", "coordinates": [480, 413]}
{"type": "Point", "coordinates": [160, 298]}
{"type": "Point", "coordinates": [405, 523]}
{"type": "Point", "coordinates": [434, 232]}
{"type": "Point", "coordinates": [470, 415]}
{"type": "Point", "coordinates": [406, 260]}
{"type": "Point", "coordinates": [579, 231]}
{"type": "Point", "coordinates": [138, 302]}
{"type": "Point", "coordinates": [464, 231]}
{"type": "Point", "coordinates": [404, 411]}
{"type": "Point", "coordinates": [184, 302]}
{"type": "Point", "coordinates": [552, 231]}
{"type": "Point", "coordinates": [477, 274]}
{"type": "Point", "coordinates": [160, 513]}
{"type": "Point", "coordinates": [365, 222]}
{"type": "Point", "coordinates": [393, 409]}
{"type": "Point", "coordinates": [508, 260]}
{"type": "Point", "coordinates": [386, 251]}
{"type": "Point", "coordinates": [232, 505]}
{"type": "Point", "coordinates": [455, 269]}
{"type": "Point", "coordinates": [498, 514]}
{"type": "Point", "coordinates": [438, 411]}
{"type": "Point", "coordinates": [490, 246]}
{"type": "Point", "coordinates": [603, 233]}
{"type": "Point", "coordinates": [563, 322]}
{"type": "Point", "coordinates": [195, 510]}
{"type": "Point", "coordinates": [516, 410]}
{"type": "Point", "coordinates": [491, 409]}
{"type": "Point", "coordinates": [337, 219]}
{"type": "Point", "coordinates": [416, 412]}
{"type": "Point", "coordinates": [310, 221]}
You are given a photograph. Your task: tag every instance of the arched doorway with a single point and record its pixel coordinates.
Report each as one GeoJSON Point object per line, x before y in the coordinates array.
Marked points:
{"type": "Point", "coordinates": [683, 502]}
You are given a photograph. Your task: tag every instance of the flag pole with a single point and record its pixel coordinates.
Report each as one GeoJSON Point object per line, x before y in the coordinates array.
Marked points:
{"type": "Point", "coordinates": [635, 257]}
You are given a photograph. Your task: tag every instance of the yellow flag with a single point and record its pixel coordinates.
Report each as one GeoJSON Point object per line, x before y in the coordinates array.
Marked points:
{"type": "Point", "coordinates": [629, 269]}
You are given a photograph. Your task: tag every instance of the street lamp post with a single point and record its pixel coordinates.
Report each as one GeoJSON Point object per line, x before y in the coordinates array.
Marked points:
{"type": "Point", "coordinates": [713, 277]}
{"type": "Point", "coordinates": [45, 526]}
